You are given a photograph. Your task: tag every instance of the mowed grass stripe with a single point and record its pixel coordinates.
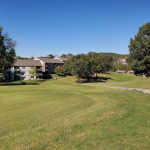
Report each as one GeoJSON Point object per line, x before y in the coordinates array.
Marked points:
{"type": "Point", "coordinates": [65, 115]}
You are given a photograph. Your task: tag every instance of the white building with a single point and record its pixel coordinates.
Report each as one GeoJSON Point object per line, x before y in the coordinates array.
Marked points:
{"type": "Point", "coordinates": [44, 66]}
{"type": "Point", "coordinates": [22, 69]}
{"type": "Point", "coordinates": [122, 61]}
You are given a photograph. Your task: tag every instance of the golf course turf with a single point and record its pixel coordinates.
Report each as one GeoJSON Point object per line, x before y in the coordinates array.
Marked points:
{"type": "Point", "coordinates": [62, 114]}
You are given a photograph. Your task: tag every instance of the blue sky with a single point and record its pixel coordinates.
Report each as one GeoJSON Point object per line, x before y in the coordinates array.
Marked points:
{"type": "Point", "coordinates": [42, 27]}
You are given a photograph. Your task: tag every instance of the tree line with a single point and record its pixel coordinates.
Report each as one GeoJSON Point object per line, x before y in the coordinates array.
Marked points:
{"type": "Point", "coordinates": [87, 66]}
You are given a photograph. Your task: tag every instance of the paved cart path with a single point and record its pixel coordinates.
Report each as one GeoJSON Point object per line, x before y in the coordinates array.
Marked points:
{"type": "Point", "coordinates": [147, 91]}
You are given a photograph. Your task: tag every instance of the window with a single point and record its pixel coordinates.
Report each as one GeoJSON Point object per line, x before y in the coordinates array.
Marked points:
{"type": "Point", "coordinates": [16, 67]}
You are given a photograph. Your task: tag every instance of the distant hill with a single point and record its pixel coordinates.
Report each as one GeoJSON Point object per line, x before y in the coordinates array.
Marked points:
{"type": "Point", "coordinates": [25, 58]}
{"type": "Point", "coordinates": [115, 55]}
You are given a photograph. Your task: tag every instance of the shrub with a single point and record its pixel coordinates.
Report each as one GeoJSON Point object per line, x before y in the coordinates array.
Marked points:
{"type": "Point", "coordinates": [59, 70]}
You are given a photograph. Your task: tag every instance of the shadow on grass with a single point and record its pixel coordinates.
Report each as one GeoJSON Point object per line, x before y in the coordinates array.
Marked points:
{"type": "Point", "coordinates": [94, 79]}
{"type": "Point", "coordinates": [16, 83]}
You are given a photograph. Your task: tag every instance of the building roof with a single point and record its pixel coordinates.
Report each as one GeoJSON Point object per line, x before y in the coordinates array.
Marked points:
{"type": "Point", "coordinates": [27, 63]}
{"type": "Point", "coordinates": [64, 59]}
{"type": "Point", "coordinates": [49, 60]}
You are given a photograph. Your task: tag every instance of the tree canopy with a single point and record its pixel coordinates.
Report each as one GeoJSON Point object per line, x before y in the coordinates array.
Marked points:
{"type": "Point", "coordinates": [85, 66]}
{"type": "Point", "coordinates": [51, 56]}
{"type": "Point", "coordinates": [66, 55]}
{"type": "Point", "coordinates": [139, 49]}
{"type": "Point", "coordinates": [7, 54]}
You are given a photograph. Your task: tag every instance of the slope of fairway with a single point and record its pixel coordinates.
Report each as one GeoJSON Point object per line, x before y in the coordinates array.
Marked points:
{"type": "Point", "coordinates": [62, 114]}
{"type": "Point", "coordinates": [127, 80]}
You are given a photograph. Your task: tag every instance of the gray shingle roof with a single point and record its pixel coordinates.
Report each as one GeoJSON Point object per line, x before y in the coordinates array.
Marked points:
{"type": "Point", "coordinates": [49, 60]}
{"type": "Point", "coordinates": [28, 63]}
{"type": "Point", "coordinates": [63, 59]}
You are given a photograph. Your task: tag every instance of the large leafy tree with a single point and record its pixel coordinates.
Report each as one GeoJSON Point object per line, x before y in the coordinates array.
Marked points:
{"type": "Point", "coordinates": [85, 66]}
{"type": "Point", "coordinates": [103, 63]}
{"type": "Point", "coordinates": [7, 54]}
{"type": "Point", "coordinates": [139, 49]}
{"type": "Point", "coordinates": [83, 69]}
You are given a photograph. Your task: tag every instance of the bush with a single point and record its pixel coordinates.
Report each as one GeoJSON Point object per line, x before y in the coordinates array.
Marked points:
{"type": "Point", "coordinates": [23, 83]}
{"type": "Point", "coordinates": [119, 66]}
{"type": "Point", "coordinates": [61, 74]}
{"type": "Point", "coordinates": [47, 76]}
{"type": "Point", "coordinates": [59, 70]}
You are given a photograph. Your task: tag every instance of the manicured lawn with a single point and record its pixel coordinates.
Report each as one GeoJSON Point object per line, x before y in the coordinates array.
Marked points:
{"type": "Point", "coordinates": [127, 80]}
{"type": "Point", "coordinates": [62, 114]}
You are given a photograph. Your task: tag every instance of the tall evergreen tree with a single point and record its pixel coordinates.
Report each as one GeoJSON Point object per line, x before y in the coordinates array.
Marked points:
{"type": "Point", "coordinates": [7, 54]}
{"type": "Point", "coordinates": [139, 49]}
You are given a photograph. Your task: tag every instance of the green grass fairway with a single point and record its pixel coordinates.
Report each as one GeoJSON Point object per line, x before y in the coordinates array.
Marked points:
{"type": "Point", "coordinates": [127, 80]}
{"type": "Point", "coordinates": [64, 115]}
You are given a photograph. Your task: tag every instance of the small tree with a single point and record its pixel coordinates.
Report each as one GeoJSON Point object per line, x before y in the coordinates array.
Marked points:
{"type": "Point", "coordinates": [139, 49]}
{"type": "Point", "coordinates": [32, 72]}
{"type": "Point", "coordinates": [68, 67]}
{"type": "Point", "coordinates": [83, 69]}
{"type": "Point", "coordinates": [119, 66]}
{"type": "Point", "coordinates": [59, 70]}
{"type": "Point", "coordinates": [103, 64]}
